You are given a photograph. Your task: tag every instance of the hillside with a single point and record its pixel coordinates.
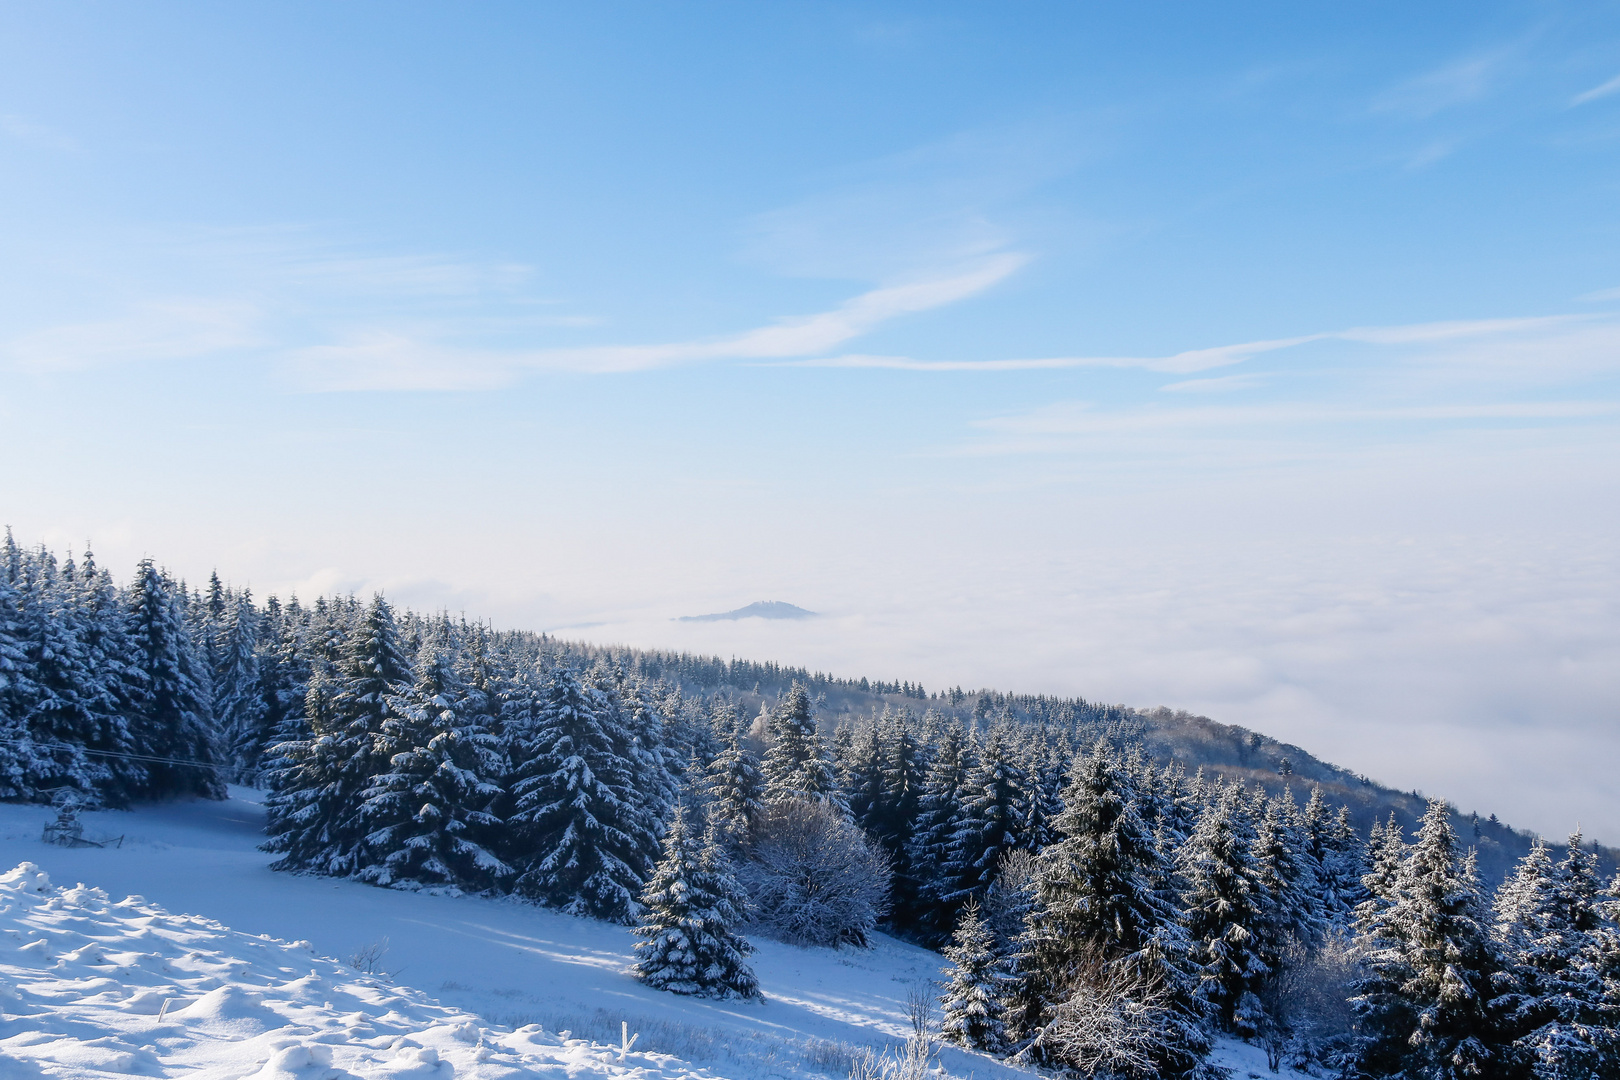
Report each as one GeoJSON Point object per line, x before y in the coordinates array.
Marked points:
{"type": "Point", "coordinates": [1228, 751]}
{"type": "Point", "coordinates": [242, 957]}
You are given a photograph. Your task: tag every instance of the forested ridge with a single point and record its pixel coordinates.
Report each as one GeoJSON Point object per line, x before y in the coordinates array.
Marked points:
{"type": "Point", "coordinates": [1110, 885]}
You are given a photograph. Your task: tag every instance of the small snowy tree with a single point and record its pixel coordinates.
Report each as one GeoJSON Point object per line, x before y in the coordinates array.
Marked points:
{"type": "Point", "coordinates": [971, 1005]}
{"type": "Point", "coordinates": [735, 787]}
{"type": "Point", "coordinates": [690, 908]}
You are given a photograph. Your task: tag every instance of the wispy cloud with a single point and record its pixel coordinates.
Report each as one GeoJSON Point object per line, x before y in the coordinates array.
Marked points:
{"type": "Point", "coordinates": [1602, 90]}
{"type": "Point", "coordinates": [1456, 83]}
{"type": "Point", "coordinates": [381, 361]}
{"type": "Point", "coordinates": [170, 330]}
{"type": "Point", "coordinates": [1223, 384]}
{"type": "Point", "coordinates": [1507, 333]}
{"type": "Point", "coordinates": [1179, 363]}
{"type": "Point", "coordinates": [1082, 418]}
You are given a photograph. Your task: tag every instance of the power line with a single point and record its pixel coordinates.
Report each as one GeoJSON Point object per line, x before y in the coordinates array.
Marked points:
{"type": "Point", "coordinates": [111, 753]}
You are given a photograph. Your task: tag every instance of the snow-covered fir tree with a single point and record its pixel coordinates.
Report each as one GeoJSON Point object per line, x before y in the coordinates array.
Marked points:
{"type": "Point", "coordinates": [239, 705]}
{"type": "Point", "coordinates": [939, 814]}
{"type": "Point", "coordinates": [971, 1006]}
{"type": "Point", "coordinates": [1386, 852]}
{"type": "Point", "coordinates": [1547, 917]}
{"type": "Point", "coordinates": [174, 729]}
{"type": "Point", "coordinates": [315, 821]}
{"type": "Point", "coordinates": [1224, 902]}
{"type": "Point", "coordinates": [1096, 907]}
{"type": "Point", "coordinates": [797, 765]}
{"type": "Point", "coordinates": [987, 825]}
{"type": "Point", "coordinates": [575, 832]}
{"type": "Point", "coordinates": [691, 908]}
{"type": "Point", "coordinates": [1426, 1002]}
{"type": "Point", "coordinates": [736, 788]}
{"type": "Point", "coordinates": [428, 815]}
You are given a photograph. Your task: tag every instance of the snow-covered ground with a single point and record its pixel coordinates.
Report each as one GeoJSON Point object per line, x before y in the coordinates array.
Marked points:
{"type": "Point", "coordinates": [504, 988]}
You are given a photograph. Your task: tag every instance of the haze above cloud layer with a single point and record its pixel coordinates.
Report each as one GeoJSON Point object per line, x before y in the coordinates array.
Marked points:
{"type": "Point", "coordinates": [1264, 363]}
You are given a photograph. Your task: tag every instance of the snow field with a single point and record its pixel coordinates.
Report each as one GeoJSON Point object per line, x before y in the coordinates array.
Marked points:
{"type": "Point", "coordinates": [97, 988]}
{"type": "Point", "coordinates": [508, 963]}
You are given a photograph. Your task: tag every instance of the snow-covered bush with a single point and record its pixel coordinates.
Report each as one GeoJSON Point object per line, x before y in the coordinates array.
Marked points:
{"type": "Point", "coordinates": [1310, 1023]}
{"type": "Point", "coordinates": [812, 877]}
{"type": "Point", "coordinates": [1115, 1022]}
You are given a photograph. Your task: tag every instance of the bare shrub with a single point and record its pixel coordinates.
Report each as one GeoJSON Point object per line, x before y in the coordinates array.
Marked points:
{"type": "Point", "coordinates": [1309, 1020]}
{"type": "Point", "coordinates": [812, 877]}
{"type": "Point", "coordinates": [369, 960]}
{"type": "Point", "coordinates": [913, 1061]}
{"type": "Point", "coordinates": [920, 1007]}
{"type": "Point", "coordinates": [1113, 1023]}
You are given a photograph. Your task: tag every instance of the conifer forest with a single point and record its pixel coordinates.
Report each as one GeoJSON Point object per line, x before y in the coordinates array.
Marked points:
{"type": "Point", "coordinates": [1110, 889]}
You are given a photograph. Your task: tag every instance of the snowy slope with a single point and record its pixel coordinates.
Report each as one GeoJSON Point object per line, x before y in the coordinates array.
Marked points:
{"type": "Point", "coordinates": [490, 966]}
{"type": "Point", "coordinates": [94, 988]}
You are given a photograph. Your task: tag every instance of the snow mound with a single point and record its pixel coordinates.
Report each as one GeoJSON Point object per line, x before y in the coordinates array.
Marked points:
{"type": "Point", "coordinates": [90, 987]}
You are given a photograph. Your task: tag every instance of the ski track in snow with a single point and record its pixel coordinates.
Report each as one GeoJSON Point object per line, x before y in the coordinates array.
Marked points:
{"type": "Point", "coordinates": [87, 972]}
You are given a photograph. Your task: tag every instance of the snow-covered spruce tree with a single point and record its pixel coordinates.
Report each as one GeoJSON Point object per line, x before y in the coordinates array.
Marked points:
{"type": "Point", "coordinates": [1425, 1002]}
{"type": "Point", "coordinates": [971, 1007]}
{"type": "Point", "coordinates": [1224, 911]}
{"type": "Point", "coordinates": [315, 821]}
{"type": "Point", "coordinates": [1546, 918]}
{"type": "Point", "coordinates": [797, 763]}
{"type": "Point", "coordinates": [1041, 800]}
{"type": "Point", "coordinates": [172, 720]}
{"type": "Point", "coordinates": [59, 698]}
{"type": "Point", "coordinates": [690, 910]}
{"type": "Point", "coordinates": [1098, 921]}
{"type": "Point", "coordinates": [113, 680]}
{"type": "Point", "coordinates": [1336, 859]}
{"type": "Point", "coordinates": [652, 781]}
{"type": "Point", "coordinates": [860, 775]}
{"type": "Point", "coordinates": [16, 690]}
{"type": "Point", "coordinates": [988, 824]}
{"type": "Point", "coordinates": [658, 769]}
{"type": "Point", "coordinates": [295, 810]}
{"type": "Point", "coordinates": [1602, 956]}
{"type": "Point", "coordinates": [905, 765]}
{"type": "Point", "coordinates": [939, 815]}
{"type": "Point", "coordinates": [736, 789]}
{"type": "Point", "coordinates": [1386, 852]}
{"type": "Point", "coordinates": [1292, 919]}
{"type": "Point", "coordinates": [574, 831]}
{"type": "Point", "coordinates": [812, 876]}
{"type": "Point", "coordinates": [428, 815]}
{"type": "Point", "coordinates": [239, 706]}
{"type": "Point", "coordinates": [284, 672]}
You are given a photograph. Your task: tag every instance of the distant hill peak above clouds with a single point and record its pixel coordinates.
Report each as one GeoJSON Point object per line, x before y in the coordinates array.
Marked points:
{"type": "Point", "coordinates": [760, 609]}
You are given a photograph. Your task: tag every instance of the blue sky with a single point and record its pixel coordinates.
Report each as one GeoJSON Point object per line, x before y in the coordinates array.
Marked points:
{"type": "Point", "coordinates": [1260, 360]}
